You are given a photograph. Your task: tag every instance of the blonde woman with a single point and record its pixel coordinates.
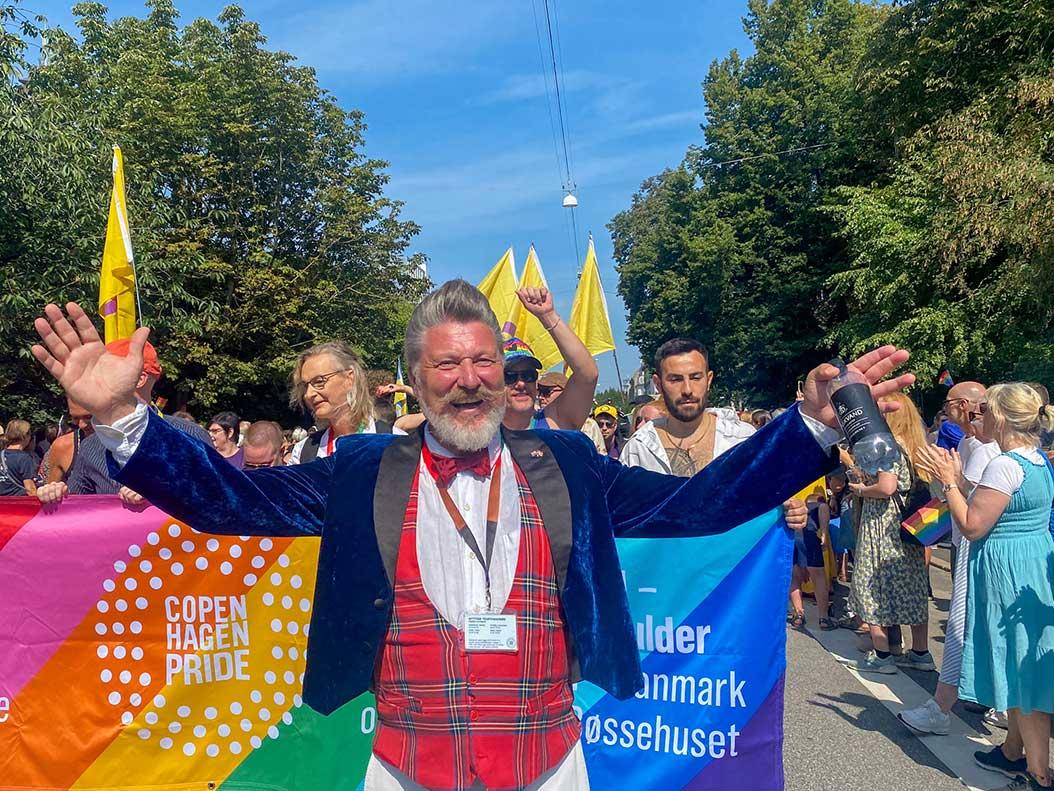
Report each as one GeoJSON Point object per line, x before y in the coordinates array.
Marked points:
{"type": "Point", "coordinates": [1008, 656]}
{"type": "Point", "coordinates": [330, 381]}
{"type": "Point", "coordinates": [890, 585]}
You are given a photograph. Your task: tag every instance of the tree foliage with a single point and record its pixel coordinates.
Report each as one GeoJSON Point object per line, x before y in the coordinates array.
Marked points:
{"type": "Point", "coordinates": [259, 224]}
{"type": "Point", "coordinates": [891, 182]}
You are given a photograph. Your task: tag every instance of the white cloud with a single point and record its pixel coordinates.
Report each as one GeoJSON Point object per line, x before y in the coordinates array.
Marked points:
{"type": "Point", "coordinates": [377, 40]}
{"type": "Point", "coordinates": [685, 118]}
{"type": "Point", "coordinates": [501, 185]}
{"type": "Point", "coordinates": [521, 87]}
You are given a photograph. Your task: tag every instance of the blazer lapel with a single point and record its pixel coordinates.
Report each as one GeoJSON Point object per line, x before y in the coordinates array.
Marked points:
{"type": "Point", "coordinates": [547, 483]}
{"type": "Point", "coordinates": [395, 479]}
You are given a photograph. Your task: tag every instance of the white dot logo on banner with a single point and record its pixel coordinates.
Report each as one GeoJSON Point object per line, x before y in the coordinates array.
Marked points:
{"type": "Point", "coordinates": [187, 609]}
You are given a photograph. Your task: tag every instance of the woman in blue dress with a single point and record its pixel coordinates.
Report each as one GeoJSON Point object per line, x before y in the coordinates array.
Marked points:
{"type": "Point", "coordinates": [1008, 656]}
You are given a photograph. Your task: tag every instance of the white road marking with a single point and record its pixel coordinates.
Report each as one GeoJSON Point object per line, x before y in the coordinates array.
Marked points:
{"type": "Point", "coordinates": [899, 691]}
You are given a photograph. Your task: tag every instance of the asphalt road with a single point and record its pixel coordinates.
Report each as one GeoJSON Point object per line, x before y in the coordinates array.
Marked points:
{"type": "Point", "coordinates": [841, 732]}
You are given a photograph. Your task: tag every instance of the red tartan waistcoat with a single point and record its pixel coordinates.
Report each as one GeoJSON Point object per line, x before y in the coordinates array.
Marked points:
{"type": "Point", "coordinates": [447, 717]}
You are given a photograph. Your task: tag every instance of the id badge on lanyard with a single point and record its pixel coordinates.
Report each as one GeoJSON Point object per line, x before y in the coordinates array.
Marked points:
{"type": "Point", "coordinates": [486, 631]}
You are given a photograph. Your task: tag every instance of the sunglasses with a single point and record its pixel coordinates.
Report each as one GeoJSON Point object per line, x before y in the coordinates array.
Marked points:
{"type": "Point", "coordinates": [982, 406]}
{"type": "Point", "coordinates": [527, 376]}
{"type": "Point", "coordinates": [248, 465]}
{"type": "Point", "coordinates": [607, 423]}
{"type": "Point", "coordinates": [548, 391]}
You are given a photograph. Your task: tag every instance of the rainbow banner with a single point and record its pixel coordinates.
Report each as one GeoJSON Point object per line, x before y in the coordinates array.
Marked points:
{"type": "Point", "coordinates": [137, 652]}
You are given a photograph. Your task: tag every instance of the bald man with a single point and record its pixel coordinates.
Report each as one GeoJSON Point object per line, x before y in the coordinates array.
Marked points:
{"type": "Point", "coordinates": [964, 400]}
{"type": "Point", "coordinates": [263, 445]}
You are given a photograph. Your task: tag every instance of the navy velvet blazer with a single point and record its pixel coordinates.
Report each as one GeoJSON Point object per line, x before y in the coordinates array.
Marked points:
{"type": "Point", "coordinates": [356, 500]}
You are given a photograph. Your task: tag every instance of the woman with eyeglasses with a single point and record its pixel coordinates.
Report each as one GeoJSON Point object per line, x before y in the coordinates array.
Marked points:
{"type": "Point", "coordinates": [224, 431]}
{"type": "Point", "coordinates": [330, 382]}
{"type": "Point", "coordinates": [571, 409]}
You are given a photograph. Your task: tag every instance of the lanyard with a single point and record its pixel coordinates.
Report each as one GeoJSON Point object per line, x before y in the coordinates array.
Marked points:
{"type": "Point", "coordinates": [463, 530]}
{"type": "Point", "coordinates": [331, 442]}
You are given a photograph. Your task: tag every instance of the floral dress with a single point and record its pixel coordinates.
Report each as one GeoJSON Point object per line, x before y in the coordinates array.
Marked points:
{"type": "Point", "coordinates": [889, 576]}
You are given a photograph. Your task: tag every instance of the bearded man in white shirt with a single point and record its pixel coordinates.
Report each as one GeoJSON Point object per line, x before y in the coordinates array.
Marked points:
{"type": "Point", "coordinates": [691, 434]}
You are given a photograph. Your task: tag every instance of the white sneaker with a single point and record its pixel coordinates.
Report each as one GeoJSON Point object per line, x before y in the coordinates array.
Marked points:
{"type": "Point", "coordinates": [927, 718]}
{"type": "Point", "coordinates": [996, 719]}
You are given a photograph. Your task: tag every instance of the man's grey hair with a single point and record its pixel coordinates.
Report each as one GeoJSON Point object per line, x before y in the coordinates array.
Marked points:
{"type": "Point", "coordinates": [456, 301]}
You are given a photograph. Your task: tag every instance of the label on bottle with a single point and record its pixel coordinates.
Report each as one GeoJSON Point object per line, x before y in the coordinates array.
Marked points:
{"type": "Point", "coordinates": [857, 412]}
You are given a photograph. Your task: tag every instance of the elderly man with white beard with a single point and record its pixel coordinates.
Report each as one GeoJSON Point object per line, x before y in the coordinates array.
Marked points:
{"type": "Point", "coordinates": [467, 573]}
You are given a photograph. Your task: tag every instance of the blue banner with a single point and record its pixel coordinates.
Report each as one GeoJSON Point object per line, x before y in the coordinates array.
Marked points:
{"type": "Point", "coordinates": [710, 621]}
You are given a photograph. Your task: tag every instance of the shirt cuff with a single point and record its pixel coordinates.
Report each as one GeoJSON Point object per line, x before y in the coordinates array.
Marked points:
{"type": "Point", "coordinates": [123, 437]}
{"type": "Point", "coordinates": [826, 436]}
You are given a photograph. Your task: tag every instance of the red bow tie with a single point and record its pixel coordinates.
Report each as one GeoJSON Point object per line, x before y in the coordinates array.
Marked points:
{"type": "Point", "coordinates": [446, 467]}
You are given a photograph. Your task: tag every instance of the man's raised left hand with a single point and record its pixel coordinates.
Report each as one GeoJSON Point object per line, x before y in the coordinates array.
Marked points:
{"type": "Point", "coordinates": [875, 366]}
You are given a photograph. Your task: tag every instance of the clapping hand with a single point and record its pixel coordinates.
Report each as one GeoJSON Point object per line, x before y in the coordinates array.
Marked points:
{"type": "Point", "coordinates": [875, 366]}
{"type": "Point", "coordinates": [74, 354]}
{"type": "Point", "coordinates": [939, 463]}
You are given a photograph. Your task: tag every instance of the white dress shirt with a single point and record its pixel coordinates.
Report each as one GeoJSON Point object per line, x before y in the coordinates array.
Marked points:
{"type": "Point", "coordinates": [451, 574]}
{"type": "Point", "coordinates": [323, 441]}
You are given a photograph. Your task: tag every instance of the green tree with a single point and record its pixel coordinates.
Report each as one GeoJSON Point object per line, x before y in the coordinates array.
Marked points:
{"type": "Point", "coordinates": [259, 224]}
{"type": "Point", "coordinates": [733, 247]}
{"type": "Point", "coordinates": [952, 257]}
{"type": "Point", "coordinates": [888, 178]}
{"type": "Point", "coordinates": [616, 397]}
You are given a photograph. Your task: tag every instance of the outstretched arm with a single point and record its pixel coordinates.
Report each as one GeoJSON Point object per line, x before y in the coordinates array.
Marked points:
{"type": "Point", "coordinates": [178, 474]}
{"type": "Point", "coordinates": [573, 406]}
{"type": "Point", "coordinates": [192, 482]}
{"type": "Point", "coordinates": [756, 475]}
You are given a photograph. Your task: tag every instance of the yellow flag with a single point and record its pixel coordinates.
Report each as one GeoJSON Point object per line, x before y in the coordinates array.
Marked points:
{"type": "Point", "coordinates": [499, 286]}
{"type": "Point", "coordinates": [400, 398]}
{"type": "Point", "coordinates": [525, 326]}
{"type": "Point", "coordinates": [117, 279]}
{"type": "Point", "coordinates": [589, 312]}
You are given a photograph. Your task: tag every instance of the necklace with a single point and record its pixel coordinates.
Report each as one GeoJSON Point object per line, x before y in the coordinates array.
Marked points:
{"type": "Point", "coordinates": [679, 453]}
{"type": "Point", "coordinates": [705, 429]}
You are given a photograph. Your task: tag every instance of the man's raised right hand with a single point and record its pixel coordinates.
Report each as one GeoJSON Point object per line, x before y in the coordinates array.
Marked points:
{"type": "Point", "coordinates": [75, 355]}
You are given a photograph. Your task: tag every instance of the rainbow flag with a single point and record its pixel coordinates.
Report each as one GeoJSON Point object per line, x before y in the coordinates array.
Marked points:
{"type": "Point", "coordinates": [945, 379]}
{"type": "Point", "coordinates": [929, 524]}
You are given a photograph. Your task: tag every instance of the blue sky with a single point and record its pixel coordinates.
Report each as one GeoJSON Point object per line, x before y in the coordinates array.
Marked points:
{"type": "Point", "coordinates": [454, 100]}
